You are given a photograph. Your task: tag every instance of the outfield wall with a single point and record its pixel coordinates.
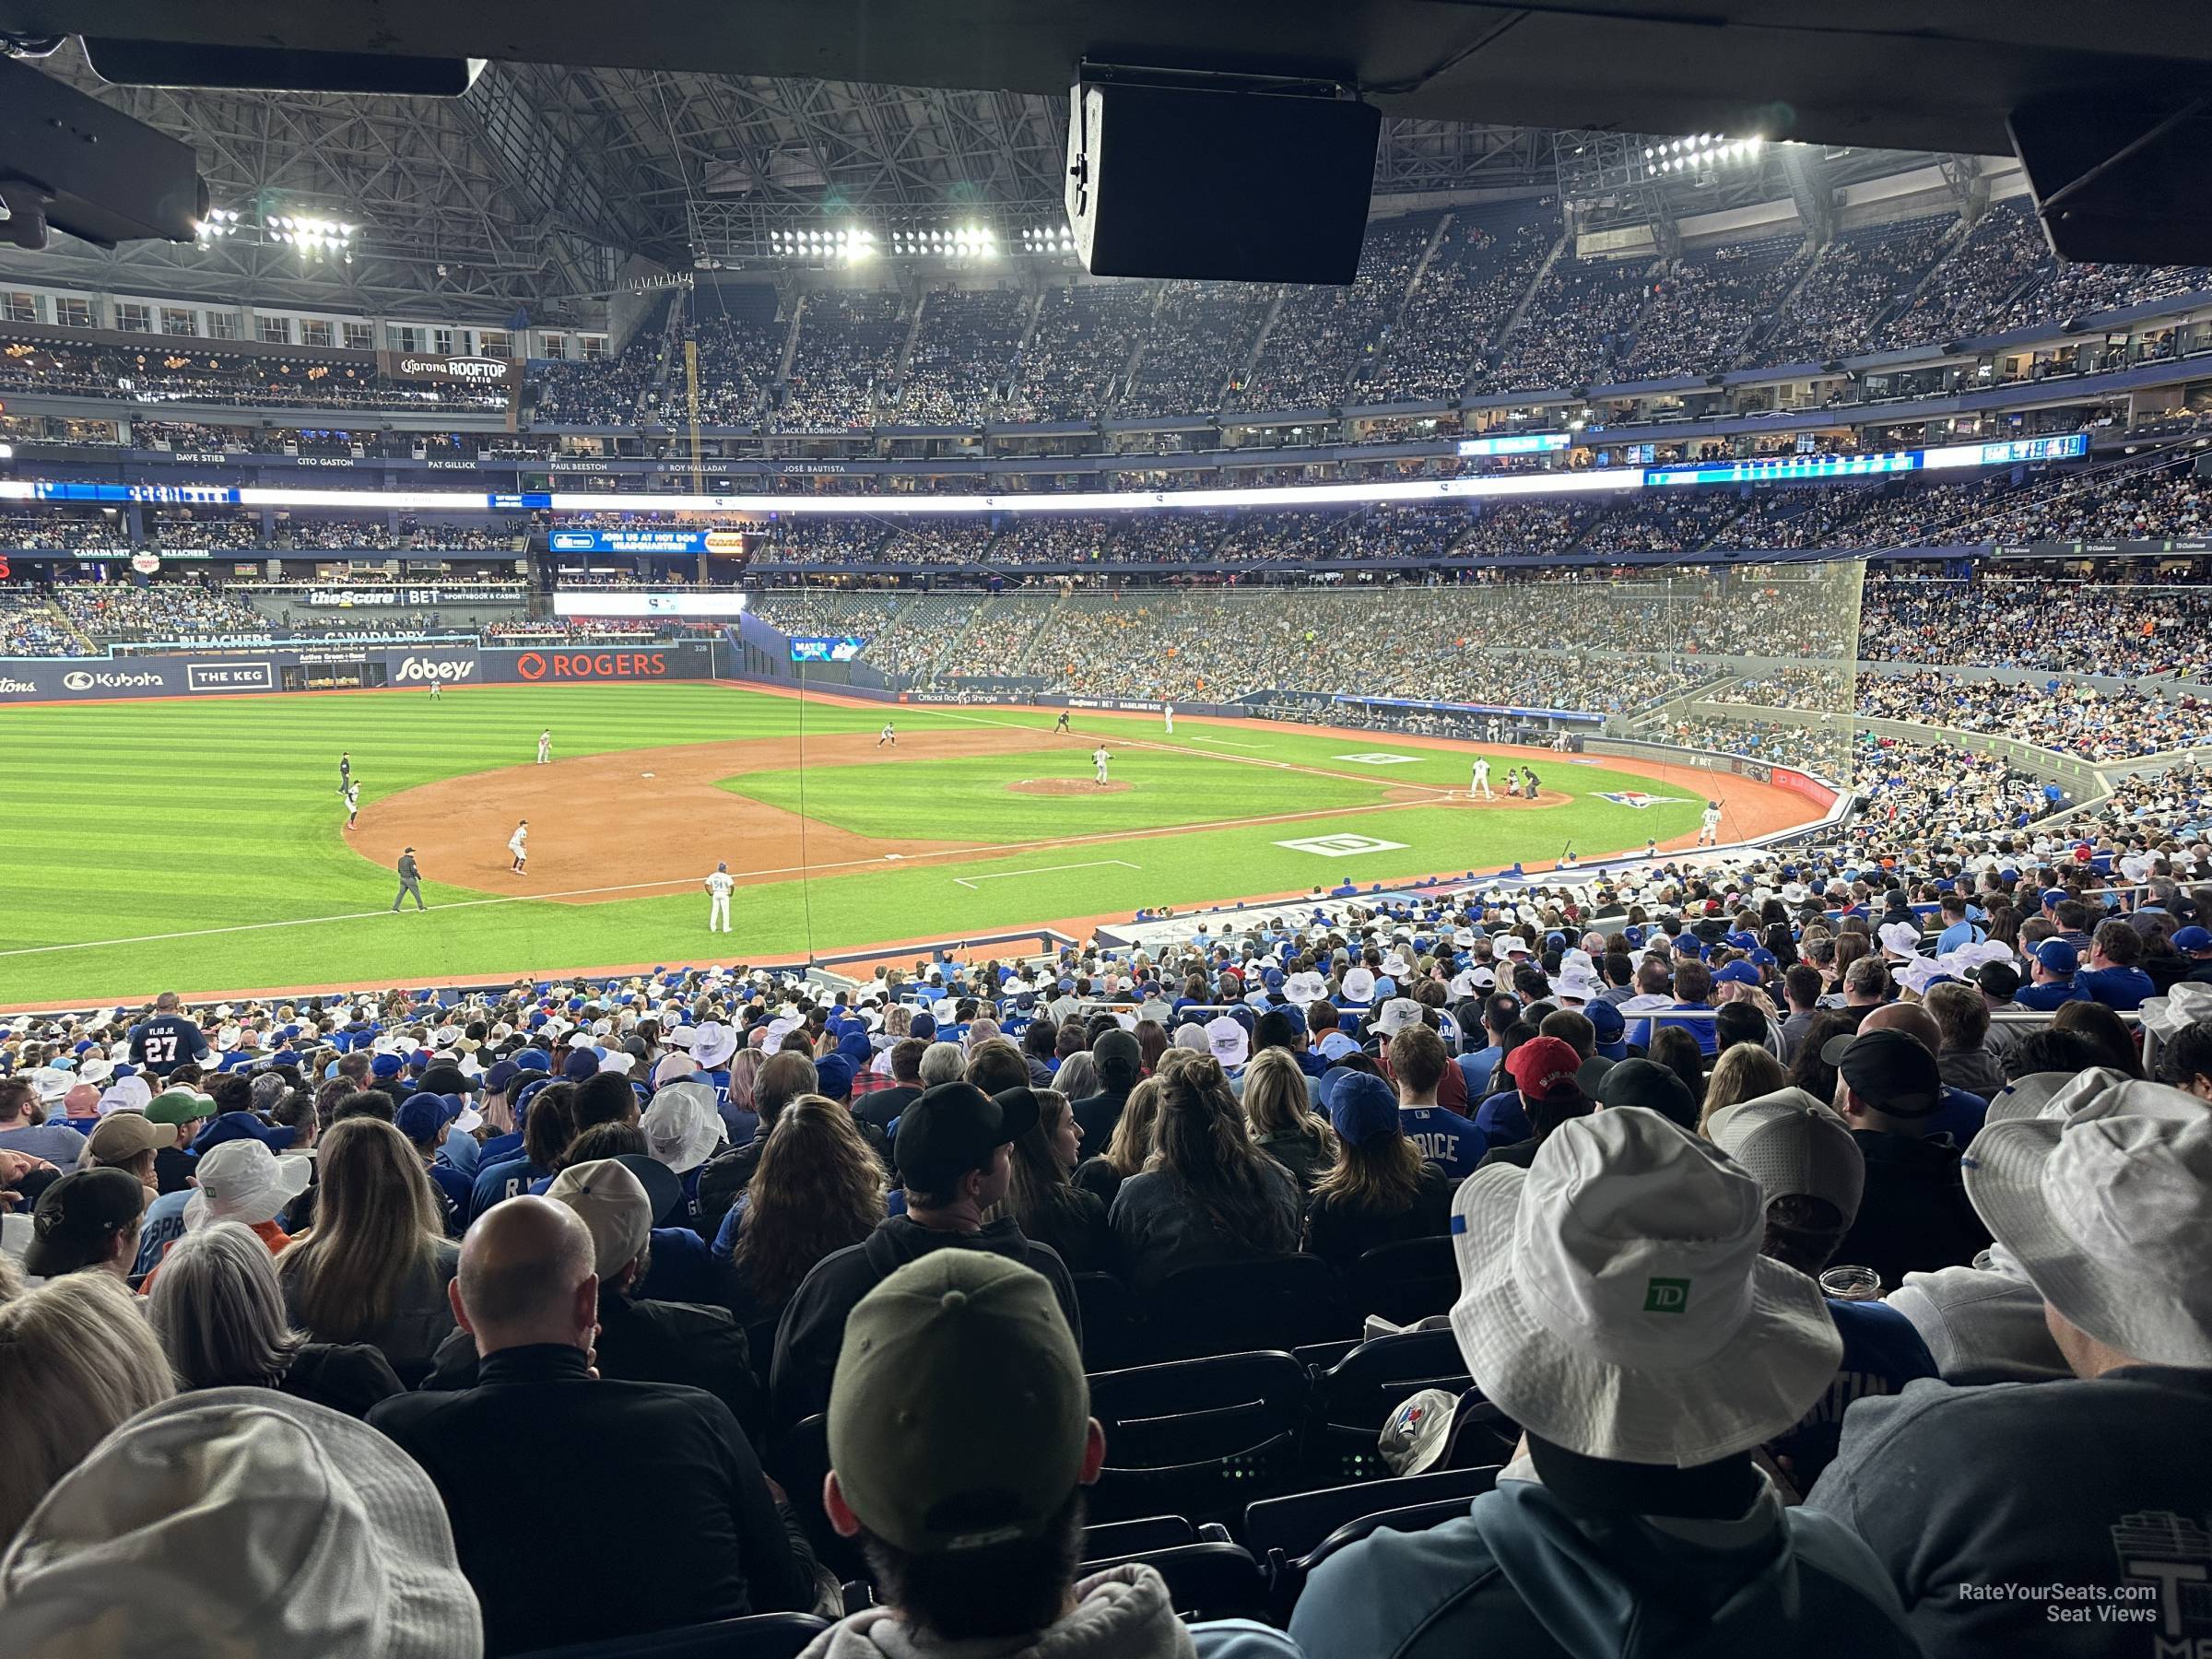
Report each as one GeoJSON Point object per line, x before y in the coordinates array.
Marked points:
{"type": "Point", "coordinates": [320, 666]}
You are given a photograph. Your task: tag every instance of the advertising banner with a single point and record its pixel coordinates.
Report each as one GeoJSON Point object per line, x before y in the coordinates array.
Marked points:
{"type": "Point", "coordinates": [81, 679]}
{"type": "Point", "coordinates": [435, 368]}
{"type": "Point", "coordinates": [726, 543]}
{"type": "Point", "coordinates": [567, 666]}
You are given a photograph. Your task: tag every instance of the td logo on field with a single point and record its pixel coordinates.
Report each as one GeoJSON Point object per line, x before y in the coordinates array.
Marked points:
{"type": "Point", "coordinates": [1341, 846]}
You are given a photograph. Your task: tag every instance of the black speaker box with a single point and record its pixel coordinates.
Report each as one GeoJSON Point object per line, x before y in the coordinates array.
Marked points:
{"type": "Point", "coordinates": [1232, 185]}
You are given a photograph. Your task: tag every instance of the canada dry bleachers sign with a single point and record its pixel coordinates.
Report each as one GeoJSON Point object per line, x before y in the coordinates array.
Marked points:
{"type": "Point", "coordinates": [274, 668]}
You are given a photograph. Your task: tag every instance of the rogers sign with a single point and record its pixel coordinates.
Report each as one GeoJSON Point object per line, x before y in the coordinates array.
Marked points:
{"type": "Point", "coordinates": [592, 665]}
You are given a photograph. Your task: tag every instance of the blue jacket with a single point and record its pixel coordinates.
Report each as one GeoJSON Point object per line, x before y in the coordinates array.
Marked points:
{"type": "Point", "coordinates": [1525, 1576]}
{"type": "Point", "coordinates": [2121, 988]}
{"type": "Point", "coordinates": [1446, 1139]}
{"type": "Point", "coordinates": [498, 1181]}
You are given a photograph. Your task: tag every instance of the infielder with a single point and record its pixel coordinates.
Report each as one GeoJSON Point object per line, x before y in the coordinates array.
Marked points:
{"type": "Point", "coordinates": [344, 769]}
{"type": "Point", "coordinates": [718, 889]}
{"type": "Point", "coordinates": [888, 735]}
{"type": "Point", "coordinates": [1061, 725]}
{"type": "Point", "coordinates": [1481, 780]}
{"type": "Point", "coordinates": [1708, 825]}
{"type": "Point", "coordinates": [545, 747]}
{"type": "Point", "coordinates": [518, 844]}
{"type": "Point", "coordinates": [1098, 758]}
{"type": "Point", "coordinates": [1167, 713]}
{"type": "Point", "coordinates": [353, 804]}
{"type": "Point", "coordinates": [410, 880]}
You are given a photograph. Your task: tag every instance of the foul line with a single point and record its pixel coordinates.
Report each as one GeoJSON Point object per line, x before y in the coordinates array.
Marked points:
{"type": "Point", "coordinates": [1096, 863]}
{"type": "Point", "coordinates": [1228, 743]}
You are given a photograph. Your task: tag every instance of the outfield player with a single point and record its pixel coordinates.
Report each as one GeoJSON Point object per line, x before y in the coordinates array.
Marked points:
{"type": "Point", "coordinates": [410, 880]}
{"type": "Point", "coordinates": [718, 889]}
{"type": "Point", "coordinates": [1481, 779]}
{"type": "Point", "coordinates": [353, 805]}
{"type": "Point", "coordinates": [545, 747]}
{"type": "Point", "coordinates": [1061, 725]}
{"type": "Point", "coordinates": [435, 692]}
{"type": "Point", "coordinates": [518, 844]}
{"type": "Point", "coordinates": [1098, 758]}
{"type": "Point", "coordinates": [888, 735]}
{"type": "Point", "coordinates": [1708, 825]}
{"type": "Point", "coordinates": [1167, 712]}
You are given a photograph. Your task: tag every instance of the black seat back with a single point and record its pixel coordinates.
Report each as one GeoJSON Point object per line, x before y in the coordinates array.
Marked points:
{"type": "Point", "coordinates": [1294, 1527]}
{"type": "Point", "coordinates": [1405, 1281]}
{"type": "Point", "coordinates": [1112, 1327]}
{"type": "Point", "coordinates": [762, 1636]}
{"type": "Point", "coordinates": [1275, 1302]}
{"type": "Point", "coordinates": [1197, 1438]}
{"type": "Point", "coordinates": [1353, 1397]}
{"type": "Point", "coordinates": [1205, 1581]}
{"type": "Point", "coordinates": [798, 1461]}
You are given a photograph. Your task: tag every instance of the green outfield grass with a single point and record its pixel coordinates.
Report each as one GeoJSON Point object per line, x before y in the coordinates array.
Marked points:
{"type": "Point", "coordinates": [218, 822]}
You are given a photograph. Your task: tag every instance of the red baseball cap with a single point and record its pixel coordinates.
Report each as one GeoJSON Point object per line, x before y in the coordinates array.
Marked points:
{"type": "Point", "coordinates": [1544, 1065]}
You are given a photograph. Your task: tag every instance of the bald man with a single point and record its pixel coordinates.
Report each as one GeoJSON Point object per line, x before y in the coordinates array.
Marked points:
{"type": "Point", "coordinates": [1959, 1114]}
{"type": "Point", "coordinates": [586, 1510]}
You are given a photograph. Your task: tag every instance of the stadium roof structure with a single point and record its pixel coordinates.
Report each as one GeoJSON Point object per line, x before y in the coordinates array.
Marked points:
{"type": "Point", "coordinates": [705, 126]}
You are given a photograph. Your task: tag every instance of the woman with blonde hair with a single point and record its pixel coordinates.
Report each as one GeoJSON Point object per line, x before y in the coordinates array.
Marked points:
{"type": "Point", "coordinates": [1045, 1203]}
{"type": "Point", "coordinates": [77, 1361]}
{"type": "Point", "coordinates": [817, 1189]}
{"type": "Point", "coordinates": [1127, 1148]}
{"type": "Point", "coordinates": [1742, 1072]}
{"type": "Point", "coordinates": [1206, 1194]}
{"type": "Point", "coordinates": [1283, 1125]}
{"type": "Point", "coordinates": [375, 1265]}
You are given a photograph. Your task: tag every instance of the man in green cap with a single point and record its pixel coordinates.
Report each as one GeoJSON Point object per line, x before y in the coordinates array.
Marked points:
{"type": "Point", "coordinates": [164, 1223]}
{"type": "Point", "coordinates": [961, 1441]}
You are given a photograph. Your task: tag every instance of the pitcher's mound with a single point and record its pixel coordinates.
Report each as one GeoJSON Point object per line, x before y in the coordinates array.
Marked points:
{"type": "Point", "coordinates": [1064, 787]}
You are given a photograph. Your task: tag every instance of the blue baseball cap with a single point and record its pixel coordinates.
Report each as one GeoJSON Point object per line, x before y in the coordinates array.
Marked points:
{"type": "Point", "coordinates": [2193, 938]}
{"type": "Point", "coordinates": [241, 1125]}
{"type": "Point", "coordinates": [582, 1063]}
{"type": "Point", "coordinates": [2055, 896]}
{"type": "Point", "coordinates": [1606, 1019]}
{"type": "Point", "coordinates": [2057, 957]}
{"type": "Point", "coordinates": [1763, 958]}
{"type": "Point", "coordinates": [833, 1074]}
{"type": "Point", "coordinates": [386, 1066]}
{"type": "Point", "coordinates": [1361, 1106]}
{"type": "Point", "coordinates": [923, 1026]}
{"type": "Point", "coordinates": [422, 1116]}
{"type": "Point", "coordinates": [1737, 973]}
{"type": "Point", "coordinates": [499, 1076]}
{"type": "Point", "coordinates": [532, 1059]}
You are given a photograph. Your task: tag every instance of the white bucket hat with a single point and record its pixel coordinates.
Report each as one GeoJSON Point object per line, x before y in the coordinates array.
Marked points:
{"type": "Point", "coordinates": [126, 1094]}
{"type": "Point", "coordinates": [1793, 1145]}
{"type": "Point", "coordinates": [1900, 938]}
{"type": "Point", "coordinates": [1359, 985]}
{"type": "Point", "coordinates": [2108, 1213]}
{"type": "Point", "coordinates": [1305, 986]}
{"type": "Point", "coordinates": [682, 1127]}
{"type": "Point", "coordinates": [284, 1525]}
{"type": "Point", "coordinates": [712, 1044]}
{"type": "Point", "coordinates": [1614, 1300]}
{"type": "Point", "coordinates": [1228, 1041]}
{"type": "Point", "coordinates": [2056, 1095]}
{"type": "Point", "coordinates": [243, 1181]}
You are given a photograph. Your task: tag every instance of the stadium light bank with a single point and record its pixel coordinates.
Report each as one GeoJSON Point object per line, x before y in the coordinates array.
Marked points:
{"type": "Point", "coordinates": [1778, 469]}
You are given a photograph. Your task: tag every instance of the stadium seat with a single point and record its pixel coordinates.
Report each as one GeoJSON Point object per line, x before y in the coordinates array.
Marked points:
{"type": "Point", "coordinates": [1113, 1333]}
{"type": "Point", "coordinates": [1235, 1307]}
{"type": "Point", "coordinates": [1129, 1538]}
{"type": "Point", "coordinates": [798, 1462]}
{"type": "Point", "coordinates": [1297, 1523]}
{"type": "Point", "coordinates": [763, 1635]}
{"type": "Point", "coordinates": [1353, 1396]}
{"type": "Point", "coordinates": [1286, 1579]}
{"type": "Point", "coordinates": [1199, 1438]}
{"type": "Point", "coordinates": [1405, 1281]}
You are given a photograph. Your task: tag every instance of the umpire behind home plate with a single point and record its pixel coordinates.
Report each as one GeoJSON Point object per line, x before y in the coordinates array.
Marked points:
{"type": "Point", "coordinates": [410, 880]}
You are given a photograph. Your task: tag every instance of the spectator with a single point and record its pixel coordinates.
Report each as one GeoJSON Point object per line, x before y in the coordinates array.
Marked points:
{"type": "Point", "coordinates": [76, 1361]}
{"type": "Point", "coordinates": [376, 1266]}
{"type": "Point", "coordinates": [2052, 973]}
{"type": "Point", "coordinates": [1547, 1075]}
{"type": "Point", "coordinates": [1283, 1125]}
{"type": "Point", "coordinates": [2102, 1029]}
{"type": "Point", "coordinates": [1046, 1204]}
{"type": "Point", "coordinates": [817, 1191]}
{"type": "Point", "coordinates": [87, 1222]}
{"type": "Point", "coordinates": [1678, 1051]}
{"type": "Point", "coordinates": [1913, 1216]}
{"type": "Point", "coordinates": [1447, 1139]}
{"type": "Point", "coordinates": [1637, 1431]}
{"type": "Point", "coordinates": [881, 1107]}
{"type": "Point", "coordinates": [953, 1155]}
{"type": "Point", "coordinates": [1127, 1149]}
{"type": "Point", "coordinates": [1742, 1072]}
{"type": "Point", "coordinates": [2105, 1215]}
{"type": "Point", "coordinates": [218, 1311]}
{"type": "Point", "coordinates": [1811, 1174]}
{"type": "Point", "coordinates": [961, 1441]}
{"type": "Point", "coordinates": [640, 1340]}
{"type": "Point", "coordinates": [2188, 1060]}
{"type": "Point", "coordinates": [1381, 1189]}
{"type": "Point", "coordinates": [783, 1078]}
{"type": "Point", "coordinates": [1121, 1065]}
{"type": "Point", "coordinates": [684, 1527]}
{"type": "Point", "coordinates": [24, 1126]}
{"type": "Point", "coordinates": [1647, 1084]}
{"type": "Point", "coordinates": [2114, 977]}
{"type": "Point", "coordinates": [1800, 988]}
{"type": "Point", "coordinates": [1965, 1061]}
{"type": "Point", "coordinates": [1206, 1194]}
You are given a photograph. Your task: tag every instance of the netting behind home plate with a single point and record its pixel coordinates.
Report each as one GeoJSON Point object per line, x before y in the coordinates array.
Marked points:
{"type": "Point", "coordinates": [1756, 659]}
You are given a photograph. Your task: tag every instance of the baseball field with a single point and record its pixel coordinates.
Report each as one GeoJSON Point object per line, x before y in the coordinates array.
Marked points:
{"type": "Point", "coordinates": [202, 845]}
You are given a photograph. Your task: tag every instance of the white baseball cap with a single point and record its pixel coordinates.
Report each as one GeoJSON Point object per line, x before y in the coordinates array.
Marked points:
{"type": "Point", "coordinates": [613, 1206]}
{"type": "Point", "coordinates": [284, 1525]}
{"type": "Point", "coordinates": [1399, 1014]}
{"type": "Point", "coordinates": [1614, 1300]}
{"type": "Point", "coordinates": [1227, 1040]}
{"type": "Point", "coordinates": [2108, 1213]}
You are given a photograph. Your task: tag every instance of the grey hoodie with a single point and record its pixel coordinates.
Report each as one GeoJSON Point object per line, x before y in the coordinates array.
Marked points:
{"type": "Point", "coordinates": [1122, 1613]}
{"type": "Point", "coordinates": [1525, 1575]}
